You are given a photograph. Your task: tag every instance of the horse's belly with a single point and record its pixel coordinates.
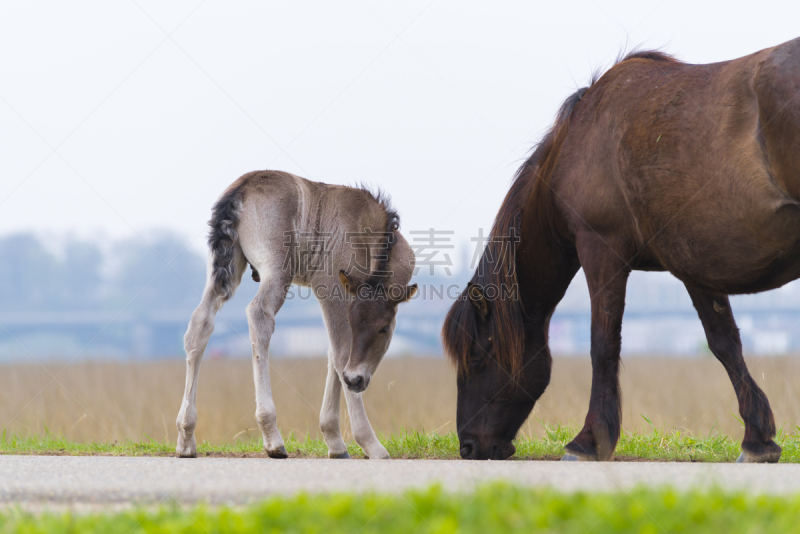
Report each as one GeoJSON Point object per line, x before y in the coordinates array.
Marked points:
{"type": "Point", "coordinates": [736, 256]}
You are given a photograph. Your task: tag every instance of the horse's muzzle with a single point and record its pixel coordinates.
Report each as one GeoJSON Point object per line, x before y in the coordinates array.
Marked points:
{"type": "Point", "coordinates": [498, 450]}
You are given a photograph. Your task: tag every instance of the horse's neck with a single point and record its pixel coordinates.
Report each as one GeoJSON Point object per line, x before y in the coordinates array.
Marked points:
{"type": "Point", "coordinates": [543, 269]}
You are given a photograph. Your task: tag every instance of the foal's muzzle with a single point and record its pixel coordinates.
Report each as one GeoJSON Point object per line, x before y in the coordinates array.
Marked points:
{"type": "Point", "coordinates": [356, 383]}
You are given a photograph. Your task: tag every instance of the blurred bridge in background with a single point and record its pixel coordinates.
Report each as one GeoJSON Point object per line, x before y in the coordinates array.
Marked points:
{"type": "Point", "coordinates": [659, 319]}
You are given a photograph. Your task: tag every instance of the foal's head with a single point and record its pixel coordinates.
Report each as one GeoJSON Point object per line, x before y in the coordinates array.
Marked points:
{"type": "Point", "coordinates": [371, 314]}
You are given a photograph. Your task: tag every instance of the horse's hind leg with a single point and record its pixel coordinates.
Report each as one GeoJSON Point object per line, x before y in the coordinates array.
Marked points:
{"type": "Point", "coordinates": [201, 326]}
{"type": "Point", "coordinates": [607, 276]}
{"type": "Point", "coordinates": [723, 340]}
{"type": "Point", "coordinates": [261, 318]}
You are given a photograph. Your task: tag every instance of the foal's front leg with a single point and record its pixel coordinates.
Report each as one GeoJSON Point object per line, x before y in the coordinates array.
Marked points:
{"type": "Point", "coordinates": [329, 415]}
{"type": "Point", "coordinates": [724, 341]}
{"type": "Point", "coordinates": [362, 429]}
{"type": "Point", "coordinates": [329, 420]}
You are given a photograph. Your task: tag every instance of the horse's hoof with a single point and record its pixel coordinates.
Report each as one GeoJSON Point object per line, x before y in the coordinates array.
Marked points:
{"type": "Point", "coordinates": [186, 454]}
{"type": "Point", "coordinates": [280, 452]}
{"type": "Point", "coordinates": [573, 458]}
{"type": "Point", "coordinates": [340, 456]}
{"type": "Point", "coordinates": [766, 458]}
{"type": "Point", "coordinates": [760, 453]}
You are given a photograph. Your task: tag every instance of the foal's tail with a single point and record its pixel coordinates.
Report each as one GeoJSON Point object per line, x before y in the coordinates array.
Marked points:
{"type": "Point", "coordinates": [222, 240]}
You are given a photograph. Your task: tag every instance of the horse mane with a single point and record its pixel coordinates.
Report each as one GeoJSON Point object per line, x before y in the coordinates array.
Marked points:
{"type": "Point", "coordinates": [391, 225]}
{"type": "Point", "coordinates": [507, 315]}
{"type": "Point", "coordinates": [653, 55]}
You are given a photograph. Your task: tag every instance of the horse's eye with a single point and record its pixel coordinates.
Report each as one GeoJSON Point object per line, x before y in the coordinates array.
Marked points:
{"type": "Point", "coordinates": [384, 330]}
{"type": "Point", "coordinates": [475, 361]}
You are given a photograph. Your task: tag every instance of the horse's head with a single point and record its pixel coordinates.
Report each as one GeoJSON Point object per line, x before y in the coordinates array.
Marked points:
{"type": "Point", "coordinates": [497, 383]}
{"type": "Point", "coordinates": [371, 314]}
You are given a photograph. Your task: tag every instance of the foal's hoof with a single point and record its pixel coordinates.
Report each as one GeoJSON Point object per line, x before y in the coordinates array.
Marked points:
{"type": "Point", "coordinates": [339, 456]}
{"type": "Point", "coordinates": [186, 448]}
{"type": "Point", "coordinates": [280, 452]}
{"type": "Point", "coordinates": [379, 455]}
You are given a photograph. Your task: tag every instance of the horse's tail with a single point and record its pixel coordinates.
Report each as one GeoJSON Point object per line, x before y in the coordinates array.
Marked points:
{"type": "Point", "coordinates": [223, 240]}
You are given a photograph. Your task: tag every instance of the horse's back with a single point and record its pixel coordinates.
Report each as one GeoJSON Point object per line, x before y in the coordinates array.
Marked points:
{"type": "Point", "coordinates": [668, 158]}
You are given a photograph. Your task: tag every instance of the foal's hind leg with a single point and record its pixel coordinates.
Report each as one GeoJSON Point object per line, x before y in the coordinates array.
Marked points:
{"type": "Point", "coordinates": [201, 326]}
{"type": "Point", "coordinates": [723, 340]}
{"type": "Point", "coordinates": [261, 317]}
{"type": "Point", "coordinates": [607, 276]}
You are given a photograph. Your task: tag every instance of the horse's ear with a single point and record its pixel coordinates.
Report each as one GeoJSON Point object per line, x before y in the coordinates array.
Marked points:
{"type": "Point", "coordinates": [349, 287]}
{"type": "Point", "coordinates": [476, 297]}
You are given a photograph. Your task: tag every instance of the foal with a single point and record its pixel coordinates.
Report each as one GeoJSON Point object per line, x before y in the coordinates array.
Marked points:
{"type": "Point", "coordinates": [344, 243]}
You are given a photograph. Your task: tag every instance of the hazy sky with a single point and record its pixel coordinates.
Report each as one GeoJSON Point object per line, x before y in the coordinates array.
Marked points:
{"type": "Point", "coordinates": [120, 117]}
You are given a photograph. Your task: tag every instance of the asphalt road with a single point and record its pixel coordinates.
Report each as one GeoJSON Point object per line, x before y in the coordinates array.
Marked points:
{"type": "Point", "coordinates": [90, 482]}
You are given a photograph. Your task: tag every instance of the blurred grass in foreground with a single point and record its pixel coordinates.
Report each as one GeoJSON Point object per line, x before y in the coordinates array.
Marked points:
{"type": "Point", "coordinates": [491, 508]}
{"type": "Point", "coordinates": [661, 445]}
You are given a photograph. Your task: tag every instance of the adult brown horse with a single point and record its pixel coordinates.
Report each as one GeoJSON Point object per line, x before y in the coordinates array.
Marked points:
{"type": "Point", "coordinates": [658, 165]}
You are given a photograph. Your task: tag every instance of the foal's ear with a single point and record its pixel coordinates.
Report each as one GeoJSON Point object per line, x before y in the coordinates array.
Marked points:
{"type": "Point", "coordinates": [348, 285]}
{"type": "Point", "coordinates": [476, 297]}
{"type": "Point", "coordinates": [410, 292]}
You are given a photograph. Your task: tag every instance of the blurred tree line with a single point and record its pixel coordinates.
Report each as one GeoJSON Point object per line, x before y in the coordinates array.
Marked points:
{"type": "Point", "coordinates": [142, 275]}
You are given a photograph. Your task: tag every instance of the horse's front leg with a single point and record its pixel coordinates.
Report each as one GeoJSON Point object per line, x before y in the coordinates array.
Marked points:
{"type": "Point", "coordinates": [723, 339]}
{"type": "Point", "coordinates": [607, 276]}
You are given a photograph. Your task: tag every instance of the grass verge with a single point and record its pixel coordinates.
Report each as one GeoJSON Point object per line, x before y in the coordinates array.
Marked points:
{"type": "Point", "coordinates": [492, 508]}
{"type": "Point", "coordinates": [654, 445]}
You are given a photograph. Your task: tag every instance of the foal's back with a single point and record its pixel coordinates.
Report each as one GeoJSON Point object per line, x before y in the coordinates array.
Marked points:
{"type": "Point", "coordinates": [283, 215]}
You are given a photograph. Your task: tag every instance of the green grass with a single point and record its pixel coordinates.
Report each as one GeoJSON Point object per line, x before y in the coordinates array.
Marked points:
{"type": "Point", "coordinates": [655, 444]}
{"type": "Point", "coordinates": [492, 508]}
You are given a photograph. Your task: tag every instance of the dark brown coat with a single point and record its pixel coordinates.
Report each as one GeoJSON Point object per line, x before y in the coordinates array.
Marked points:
{"type": "Point", "coordinates": [658, 165]}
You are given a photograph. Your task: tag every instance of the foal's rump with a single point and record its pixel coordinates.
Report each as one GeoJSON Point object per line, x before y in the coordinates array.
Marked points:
{"type": "Point", "coordinates": [248, 224]}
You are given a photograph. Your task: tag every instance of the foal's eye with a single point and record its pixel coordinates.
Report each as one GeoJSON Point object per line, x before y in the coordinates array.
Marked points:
{"type": "Point", "coordinates": [384, 330]}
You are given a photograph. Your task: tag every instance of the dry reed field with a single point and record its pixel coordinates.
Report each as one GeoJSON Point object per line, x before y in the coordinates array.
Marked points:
{"type": "Point", "coordinates": [103, 401]}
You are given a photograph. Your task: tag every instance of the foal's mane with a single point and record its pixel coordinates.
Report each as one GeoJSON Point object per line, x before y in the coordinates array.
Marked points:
{"type": "Point", "coordinates": [506, 315]}
{"type": "Point", "coordinates": [391, 225]}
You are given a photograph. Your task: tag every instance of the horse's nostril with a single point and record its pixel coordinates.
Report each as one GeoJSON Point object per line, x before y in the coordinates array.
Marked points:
{"type": "Point", "coordinates": [468, 449]}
